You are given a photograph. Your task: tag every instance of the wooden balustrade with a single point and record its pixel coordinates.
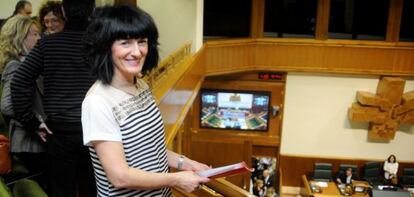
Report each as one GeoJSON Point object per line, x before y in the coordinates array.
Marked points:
{"type": "Point", "coordinates": [308, 55]}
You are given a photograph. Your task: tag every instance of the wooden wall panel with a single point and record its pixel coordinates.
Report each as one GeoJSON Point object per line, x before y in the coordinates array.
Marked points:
{"type": "Point", "coordinates": [238, 56]}
{"type": "Point", "coordinates": [358, 58]}
{"type": "Point", "coordinates": [287, 56]}
{"type": "Point", "coordinates": [219, 152]}
{"type": "Point", "coordinates": [304, 55]}
{"type": "Point", "coordinates": [403, 61]}
{"type": "Point", "coordinates": [293, 167]}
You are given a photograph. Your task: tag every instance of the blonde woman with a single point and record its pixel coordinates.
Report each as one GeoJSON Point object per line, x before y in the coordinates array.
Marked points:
{"type": "Point", "coordinates": [18, 36]}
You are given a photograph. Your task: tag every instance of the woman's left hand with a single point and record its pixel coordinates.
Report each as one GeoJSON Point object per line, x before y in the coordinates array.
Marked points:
{"type": "Point", "coordinates": [194, 166]}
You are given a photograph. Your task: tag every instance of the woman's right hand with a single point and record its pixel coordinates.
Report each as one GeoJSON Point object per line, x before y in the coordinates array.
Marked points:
{"type": "Point", "coordinates": [189, 180]}
{"type": "Point", "coordinates": [43, 131]}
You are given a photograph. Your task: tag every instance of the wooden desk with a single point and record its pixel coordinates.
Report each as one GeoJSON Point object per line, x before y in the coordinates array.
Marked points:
{"type": "Point", "coordinates": [330, 190]}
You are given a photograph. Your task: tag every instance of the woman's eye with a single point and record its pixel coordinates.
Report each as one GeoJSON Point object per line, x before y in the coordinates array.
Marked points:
{"type": "Point", "coordinates": [143, 42]}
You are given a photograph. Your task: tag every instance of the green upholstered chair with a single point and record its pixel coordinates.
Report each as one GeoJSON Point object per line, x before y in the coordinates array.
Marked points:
{"type": "Point", "coordinates": [27, 187]}
{"type": "Point", "coordinates": [4, 190]}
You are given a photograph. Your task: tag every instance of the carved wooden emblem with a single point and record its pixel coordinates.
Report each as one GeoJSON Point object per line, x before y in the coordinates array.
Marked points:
{"type": "Point", "coordinates": [385, 110]}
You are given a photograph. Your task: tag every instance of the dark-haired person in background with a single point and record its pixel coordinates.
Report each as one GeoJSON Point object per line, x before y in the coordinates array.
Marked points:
{"type": "Point", "coordinates": [121, 122]}
{"type": "Point", "coordinates": [51, 17]}
{"type": "Point", "coordinates": [22, 7]}
{"type": "Point", "coordinates": [66, 78]}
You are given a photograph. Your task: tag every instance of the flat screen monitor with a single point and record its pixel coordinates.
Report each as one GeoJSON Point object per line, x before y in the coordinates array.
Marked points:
{"type": "Point", "coordinates": [235, 110]}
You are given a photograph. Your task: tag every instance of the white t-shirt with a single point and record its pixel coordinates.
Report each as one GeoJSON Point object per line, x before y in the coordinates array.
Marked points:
{"type": "Point", "coordinates": [109, 114]}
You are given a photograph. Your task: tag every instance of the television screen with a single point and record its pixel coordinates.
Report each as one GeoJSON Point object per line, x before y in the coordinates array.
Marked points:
{"type": "Point", "coordinates": [239, 110]}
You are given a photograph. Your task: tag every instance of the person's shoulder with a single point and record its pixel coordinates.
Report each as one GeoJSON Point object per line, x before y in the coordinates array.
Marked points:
{"type": "Point", "coordinates": [62, 36]}
{"type": "Point", "coordinates": [97, 88]}
{"type": "Point", "coordinates": [11, 66]}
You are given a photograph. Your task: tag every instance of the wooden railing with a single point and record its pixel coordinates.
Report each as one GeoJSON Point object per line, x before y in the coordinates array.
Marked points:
{"type": "Point", "coordinates": [217, 187]}
{"type": "Point", "coordinates": [175, 83]}
{"type": "Point", "coordinates": [172, 62]}
{"type": "Point", "coordinates": [308, 55]}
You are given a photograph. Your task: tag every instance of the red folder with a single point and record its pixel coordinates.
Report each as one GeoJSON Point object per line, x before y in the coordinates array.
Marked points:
{"type": "Point", "coordinates": [228, 170]}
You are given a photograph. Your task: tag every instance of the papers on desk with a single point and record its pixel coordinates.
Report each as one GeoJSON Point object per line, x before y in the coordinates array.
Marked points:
{"type": "Point", "coordinates": [321, 184]}
{"type": "Point", "coordinates": [387, 187]}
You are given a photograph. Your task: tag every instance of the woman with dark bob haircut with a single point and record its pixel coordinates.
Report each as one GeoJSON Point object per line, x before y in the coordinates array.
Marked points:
{"type": "Point", "coordinates": [121, 122]}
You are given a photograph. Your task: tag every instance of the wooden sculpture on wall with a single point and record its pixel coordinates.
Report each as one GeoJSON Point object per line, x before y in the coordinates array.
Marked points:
{"type": "Point", "coordinates": [385, 110]}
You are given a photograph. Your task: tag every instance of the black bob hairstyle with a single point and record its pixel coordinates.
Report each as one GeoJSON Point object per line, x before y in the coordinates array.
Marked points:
{"type": "Point", "coordinates": [112, 23]}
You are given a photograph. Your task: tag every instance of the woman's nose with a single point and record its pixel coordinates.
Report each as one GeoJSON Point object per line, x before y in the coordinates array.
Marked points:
{"type": "Point", "coordinates": [136, 51]}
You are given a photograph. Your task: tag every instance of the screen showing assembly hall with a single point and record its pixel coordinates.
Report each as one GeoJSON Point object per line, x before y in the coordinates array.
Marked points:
{"type": "Point", "coordinates": [236, 110]}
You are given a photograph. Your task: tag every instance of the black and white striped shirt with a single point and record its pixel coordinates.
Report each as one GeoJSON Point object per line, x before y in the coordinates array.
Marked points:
{"type": "Point", "coordinates": [109, 114]}
{"type": "Point", "coordinates": [67, 78]}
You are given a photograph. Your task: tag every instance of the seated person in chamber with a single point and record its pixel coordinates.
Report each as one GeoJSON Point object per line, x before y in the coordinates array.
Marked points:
{"type": "Point", "coordinates": [345, 178]}
{"type": "Point", "coordinates": [391, 169]}
{"type": "Point", "coordinates": [121, 122]}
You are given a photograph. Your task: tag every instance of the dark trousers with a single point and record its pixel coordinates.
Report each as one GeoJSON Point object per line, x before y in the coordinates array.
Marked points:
{"type": "Point", "coordinates": [69, 164]}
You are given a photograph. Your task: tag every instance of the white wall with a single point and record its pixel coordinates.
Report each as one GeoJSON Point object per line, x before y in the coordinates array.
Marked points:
{"type": "Point", "coordinates": [7, 7]}
{"type": "Point", "coordinates": [176, 22]}
{"type": "Point", "coordinates": [316, 124]}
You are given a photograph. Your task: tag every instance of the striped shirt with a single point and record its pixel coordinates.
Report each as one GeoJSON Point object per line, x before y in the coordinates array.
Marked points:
{"type": "Point", "coordinates": [109, 114]}
{"type": "Point", "coordinates": [59, 58]}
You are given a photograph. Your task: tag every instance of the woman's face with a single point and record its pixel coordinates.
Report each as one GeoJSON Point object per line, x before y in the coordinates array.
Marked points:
{"type": "Point", "coordinates": [128, 56]}
{"type": "Point", "coordinates": [392, 159]}
{"type": "Point", "coordinates": [53, 23]}
{"type": "Point", "coordinates": [32, 37]}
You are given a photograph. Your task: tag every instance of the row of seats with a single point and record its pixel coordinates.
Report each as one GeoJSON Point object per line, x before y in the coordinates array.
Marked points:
{"type": "Point", "coordinates": [372, 172]}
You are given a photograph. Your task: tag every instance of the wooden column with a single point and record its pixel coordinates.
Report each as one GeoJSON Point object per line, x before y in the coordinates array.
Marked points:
{"type": "Point", "coordinates": [257, 19]}
{"type": "Point", "coordinates": [394, 20]}
{"type": "Point", "coordinates": [322, 20]}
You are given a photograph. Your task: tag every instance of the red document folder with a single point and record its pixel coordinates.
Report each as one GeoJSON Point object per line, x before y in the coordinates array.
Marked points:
{"type": "Point", "coordinates": [226, 170]}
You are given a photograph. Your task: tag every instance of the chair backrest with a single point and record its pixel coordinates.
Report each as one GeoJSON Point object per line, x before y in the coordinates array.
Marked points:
{"type": "Point", "coordinates": [407, 177]}
{"type": "Point", "coordinates": [408, 171]}
{"type": "Point", "coordinates": [372, 169]}
{"type": "Point", "coordinates": [407, 180]}
{"type": "Point", "coordinates": [322, 172]}
{"type": "Point", "coordinates": [373, 173]}
{"type": "Point", "coordinates": [322, 175]}
{"type": "Point", "coordinates": [323, 166]}
{"type": "Point", "coordinates": [373, 164]}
